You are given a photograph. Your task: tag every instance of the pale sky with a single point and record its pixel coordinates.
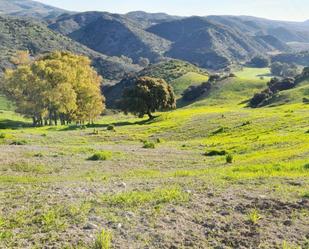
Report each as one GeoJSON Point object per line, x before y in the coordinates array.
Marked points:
{"type": "Point", "coordinates": [293, 10]}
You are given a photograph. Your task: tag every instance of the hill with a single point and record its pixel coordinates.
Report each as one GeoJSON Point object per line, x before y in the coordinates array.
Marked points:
{"type": "Point", "coordinates": [212, 45]}
{"type": "Point", "coordinates": [150, 19]}
{"type": "Point", "coordinates": [178, 73]}
{"type": "Point", "coordinates": [112, 34]}
{"type": "Point", "coordinates": [28, 8]}
{"type": "Point", "coordinates": [21, 34]}
{"type": "Point", "coordinates": [282, 30]}
{"type": "Point", "coordinates": [301, 58]}
{"type": "Point", "coordinates": [182, 193]}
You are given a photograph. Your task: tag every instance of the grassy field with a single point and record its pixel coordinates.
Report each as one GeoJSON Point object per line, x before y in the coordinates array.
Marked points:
{"type": "Point", "coordinates": [215, 174]}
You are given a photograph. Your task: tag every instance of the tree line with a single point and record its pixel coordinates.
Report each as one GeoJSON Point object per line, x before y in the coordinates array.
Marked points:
{"type": "Point", "coordinates": [61, 87]}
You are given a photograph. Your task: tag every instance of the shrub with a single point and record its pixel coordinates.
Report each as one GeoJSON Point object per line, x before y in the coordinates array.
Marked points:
{"type": "Point", "coordinates": [306, 166]}
{"type": "Point", "coordinates": [19, 142]}
{"type": "Point", "coordinates": [110, 128]}
{"type": "Point", "coordinates": [229, 158]}
{"type": "Point", "coordinates": [259, 62]}
{"type": "Point", "coordinates": [149, 145]}
{"type": "Point", "coordinates": [100, 156]}
{"type": "Point", "coordinates": [216, 153]}
{"type": "Point", "coordinates": [2, 135]}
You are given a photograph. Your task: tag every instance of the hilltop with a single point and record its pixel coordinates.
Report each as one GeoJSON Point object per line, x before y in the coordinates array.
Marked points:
{"type": "Point", "coordinates": [28, 8]}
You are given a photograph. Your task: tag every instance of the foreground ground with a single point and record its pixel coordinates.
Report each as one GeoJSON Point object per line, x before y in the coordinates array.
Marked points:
{"type": "Point", "coordinates": [170, 196]}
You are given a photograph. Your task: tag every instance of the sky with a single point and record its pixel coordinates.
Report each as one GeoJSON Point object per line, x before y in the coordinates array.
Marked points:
{"type": "Point", "coordinates": [292, 10]}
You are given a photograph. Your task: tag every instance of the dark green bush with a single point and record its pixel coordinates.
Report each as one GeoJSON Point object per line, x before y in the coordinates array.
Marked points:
{"type": "Point", "coordinates": [111, 128]}
{"type": "Point", "coordinates": [101, 156]}
{"type": "Point", "coordinates": [229, 158]}
{"type": "Point", "coordinates": [19, 142]}
{"type": "Point", "coordinates": [216, 153]}
{"type": "Point", "coordinates": [149, 145]}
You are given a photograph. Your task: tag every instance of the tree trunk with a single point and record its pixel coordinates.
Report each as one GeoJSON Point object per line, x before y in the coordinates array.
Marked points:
{"type": "Point", "coordinates": [150, 115]}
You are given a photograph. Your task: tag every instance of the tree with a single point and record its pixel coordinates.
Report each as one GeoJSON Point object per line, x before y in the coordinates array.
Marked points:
{"type": "Point", "coordinates": [259, 62]}
{"type": "Point", "coordinates": [57, 86]}
{"type": "Point", "coordinates": [285, 69]}
{"type": "Point", "coordinates": [147, 96]}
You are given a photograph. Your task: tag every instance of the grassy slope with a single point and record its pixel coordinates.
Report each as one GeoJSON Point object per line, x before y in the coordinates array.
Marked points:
{"type": "Point", "coordinates": [270, 147]}
{"type": "Point", "coordinates": [189, 79]}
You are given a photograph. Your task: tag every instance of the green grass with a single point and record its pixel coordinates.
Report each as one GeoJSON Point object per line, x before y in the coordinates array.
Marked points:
{"type": "Point", "coordinates": [192, 78]}
{"type": "Point", "coordinates": [140, 198]}
{"type": "Point", "coordinates": [270, 149]}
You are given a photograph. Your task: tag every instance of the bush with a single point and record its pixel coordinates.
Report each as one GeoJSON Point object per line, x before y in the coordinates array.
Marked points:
{"type": "Point", "coordinates": [19, 142]}
{"type": "Point", "coordinates": [111, 128]}
{"type": "Point", "coordinates": [149, 145]}
{"type": "Point", "coordinates": [101, 156]}
{"type": "Point", "coordinates": [229, 158]}
{"type": "Point", "coordinates": [2, 135]}
{"type": "Point", "coordinates": [216, 153]}
{"type": "Point", "coordinates": [259, 62]}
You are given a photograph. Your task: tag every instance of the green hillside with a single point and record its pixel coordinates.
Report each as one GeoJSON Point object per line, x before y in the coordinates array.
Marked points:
{"type": "Point", "coordinates": [138, 190]}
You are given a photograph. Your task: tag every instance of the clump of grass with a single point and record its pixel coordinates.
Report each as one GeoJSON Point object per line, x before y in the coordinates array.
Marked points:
{"type": "Point", "coordinates": [254, 217]}
{"type": "Point", "coordinates": [52, 221]}
{"type": "Point", "coordinates": [95, 132]}
{"type": "Point", "coordinates": [229, 158]}
{"type": "Point", "coordinates": [306, 195]}
{"type": "Point", "coordinates": [216, 153]}
{"type": "Point", "coordinates": [306, 166]}
{"type": "Point", "coordinates": [219, 130]}
{"type": "Point", "coordinates": [19, 142]}
{"type": "Point", "coordinates": [103, 240]}
{"type": "Point", "coordinates": [2, 136]}
{"type": "Point", "coordinates": [138, 198]}
{"type": "Point", "coordinates": [26, 167]}
{"type": "Point", "coordinates": [149, 145]}
{"type": "Point", "coordinates": [101, 156]}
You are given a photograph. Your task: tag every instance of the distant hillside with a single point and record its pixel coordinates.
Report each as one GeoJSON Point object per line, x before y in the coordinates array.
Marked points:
{"type": "Point", "coordinates": [149, 19]}
{"type": "Point", "coordinates": [20, 34]}
{"type": "Point", "coordinates": [114, 35]}
{"type": "Point", "coordinates": [301, 58]}
{"type": "Point", "coordinates": [178, 73]}
{"type": "Point", "coordinates": [282, 30]}
{"type": "Point", "coordinates": [212, 45]}
{"type": "Point", "coordinates": [28, 8]}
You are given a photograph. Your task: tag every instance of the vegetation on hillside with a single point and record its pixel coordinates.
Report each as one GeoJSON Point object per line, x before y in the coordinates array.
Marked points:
{"type": "Point", "coordinates": [56, 86]}
{"type": "Point", "coordinates": [148, 95]}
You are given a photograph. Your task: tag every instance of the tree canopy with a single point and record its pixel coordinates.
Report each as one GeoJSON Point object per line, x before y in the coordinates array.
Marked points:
{"type": "Point", "coordinates": [147, 96]}
{"type": "Point", "coordinates": [56, 86]}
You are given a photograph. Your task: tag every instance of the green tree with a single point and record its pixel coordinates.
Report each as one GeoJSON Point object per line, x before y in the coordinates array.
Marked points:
{"type": "Point", "coordinates": [57, 86]}
{"type": "Point", "coordinates": [147, 96]}
{"type": "Point", "coordinates": [259, 62]}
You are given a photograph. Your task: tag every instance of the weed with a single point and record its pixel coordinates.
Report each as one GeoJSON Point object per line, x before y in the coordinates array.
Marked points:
{"type": "Point", "coordinates": [103, 240]}
{"type": "Point", "coordinates": [254, 216]}
{"type": "Point", "coordinates": [110, 128]}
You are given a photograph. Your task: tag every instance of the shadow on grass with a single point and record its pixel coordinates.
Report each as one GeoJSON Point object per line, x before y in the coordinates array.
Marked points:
{"type": "Point", "coordinates": [116, 124]}
{"type": "Point", "coordinates": [13, 124]}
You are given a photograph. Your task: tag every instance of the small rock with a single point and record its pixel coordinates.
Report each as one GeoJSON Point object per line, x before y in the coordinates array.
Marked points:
{"type": "Point", "coordinates": [90, 226]}
{"type": "Point", "coordinates": [287, 223]}
{"type": "Point", "coordinates": [122, 184]}
{"type": "Point", "coordinates": [119, 226]}
{"type": "Point", "coordinates": [224, 213]}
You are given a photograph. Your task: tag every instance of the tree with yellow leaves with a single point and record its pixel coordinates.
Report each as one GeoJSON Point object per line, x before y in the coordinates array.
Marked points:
{"type": "Point", "coordinates": [59, 86]}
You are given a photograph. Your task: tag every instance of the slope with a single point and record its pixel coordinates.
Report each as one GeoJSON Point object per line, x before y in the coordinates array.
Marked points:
{"type": "Point", "coordinates": [21, 34]}
{"type": "Point", "coordinates": [212, 45]}
{"type": "Point", "coordinates": [28, 8]}
{"type": "Point", "coordinates": [112, 34]}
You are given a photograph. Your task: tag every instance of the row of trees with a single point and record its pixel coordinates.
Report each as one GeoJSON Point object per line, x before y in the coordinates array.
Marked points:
{"type": "Point", "coordinates": [61, 86]}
